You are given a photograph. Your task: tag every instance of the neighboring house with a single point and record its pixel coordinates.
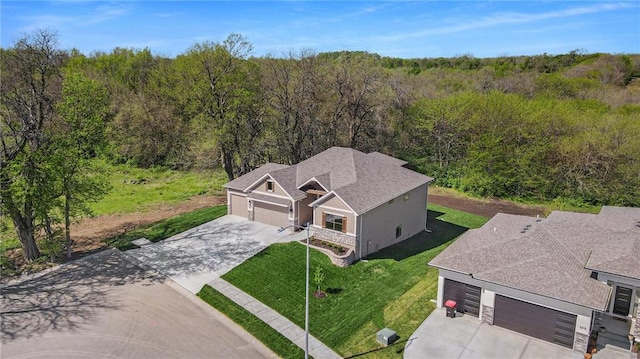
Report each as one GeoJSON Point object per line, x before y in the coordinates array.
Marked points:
{"type": "Point", "coordinates": [365, 202]}
{"type": "Point", "coordinates": [555, 279]}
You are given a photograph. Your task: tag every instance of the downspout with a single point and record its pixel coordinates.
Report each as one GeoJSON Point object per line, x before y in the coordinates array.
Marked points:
{"type": "Point", "coordinates": [360, 235]}
{"type": "Point", "coordinates": [426, 212]}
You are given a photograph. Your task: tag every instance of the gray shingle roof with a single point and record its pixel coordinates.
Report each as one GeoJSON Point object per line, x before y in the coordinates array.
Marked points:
{"type": "Point", "coordinates": [552, 257]}
{"type": "Point", "coordinates": [362, 180]}
{"type": "Point", "coordinates": [244, 181]}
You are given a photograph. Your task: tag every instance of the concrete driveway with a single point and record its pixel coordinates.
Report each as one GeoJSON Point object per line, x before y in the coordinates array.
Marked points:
{"type": "Point", "coordinates": [466, 337]}
{"type": "Point", "coordinates": [105, 306]}
{"type": "Point", "coordinates": [201, 254]}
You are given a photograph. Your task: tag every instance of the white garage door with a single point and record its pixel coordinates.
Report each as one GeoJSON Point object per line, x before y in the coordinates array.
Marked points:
{"type": "Point", "coordinates": [239, 206]}
{"type": "Point", "coordinates": [270, 214]}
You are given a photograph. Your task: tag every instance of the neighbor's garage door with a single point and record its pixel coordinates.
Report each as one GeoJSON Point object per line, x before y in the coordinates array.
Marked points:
{"type": "Point", "coordinates": [270, 214]}
{"type": "Point", "coordinates": [239, 206]}
{"type": "Point", "coordinates": [535, 321]}
{"type": "Point", "coordinates": [466, 296]}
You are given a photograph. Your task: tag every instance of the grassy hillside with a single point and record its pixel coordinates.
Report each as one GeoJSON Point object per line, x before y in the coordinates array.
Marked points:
{"type": "Point", "coordinates": [136, 189]}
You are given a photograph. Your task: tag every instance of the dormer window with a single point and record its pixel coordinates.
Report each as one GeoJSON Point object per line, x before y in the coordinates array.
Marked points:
{"type": "Point", "coordinates": [269, 186]}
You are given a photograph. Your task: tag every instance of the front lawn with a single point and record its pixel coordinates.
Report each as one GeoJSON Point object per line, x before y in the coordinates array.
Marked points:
{"type": "Point", "coordinates": [270, 337]}
{"type": "Point", "coordinates": [393, 288]}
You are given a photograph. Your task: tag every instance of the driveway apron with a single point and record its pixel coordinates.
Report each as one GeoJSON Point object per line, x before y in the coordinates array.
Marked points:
{"type": "Point", "coordinates": [466, 337]}
{"type": "Point", "coordinates": [201, 254]}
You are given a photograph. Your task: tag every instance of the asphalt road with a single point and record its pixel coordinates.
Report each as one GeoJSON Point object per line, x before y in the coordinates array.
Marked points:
{"type": "Point", "coordinates": [107, 307]}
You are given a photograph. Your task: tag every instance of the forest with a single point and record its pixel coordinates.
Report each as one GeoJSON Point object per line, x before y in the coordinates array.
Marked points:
{"type": "Point", "coordinates": [547, 127]}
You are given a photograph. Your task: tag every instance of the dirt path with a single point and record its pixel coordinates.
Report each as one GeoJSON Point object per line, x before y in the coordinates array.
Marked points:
{"type": "Point", "coordinates": [89, 234]}
{"type": "Point", "coordinates": [485, 207]}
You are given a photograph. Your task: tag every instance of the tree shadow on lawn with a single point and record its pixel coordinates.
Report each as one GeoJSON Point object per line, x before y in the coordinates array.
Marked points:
{"type": "Point", "coordinates": [441, 232]}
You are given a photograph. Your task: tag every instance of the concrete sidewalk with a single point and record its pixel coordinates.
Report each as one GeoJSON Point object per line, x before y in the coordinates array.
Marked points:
{"type": "Point", "coordinates": [200, 254]}
{"type": "Point", "coordinates": [283, 325]}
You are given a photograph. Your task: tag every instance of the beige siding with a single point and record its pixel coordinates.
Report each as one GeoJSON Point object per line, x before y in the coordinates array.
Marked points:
{"type": "Point", "coordinates": [305, 213]}
{"type": "Point", "coordinates": [335, 202]}
{"type": "Point", "coordinates": [277, 190]}
{"type": "Point", "coordinates": [379, 225]}
{"type": "Point", "coordinates": [238, 205]}
{"type": "Point", "coordinates": [317, 217]}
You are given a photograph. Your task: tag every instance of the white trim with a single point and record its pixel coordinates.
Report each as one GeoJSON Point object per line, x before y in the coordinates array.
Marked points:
{"type": "Point", "coordinates": [267, 202]}
{"type": "Point", "coordinates": [254, 184]}
{"type": "Point", "coordinates": [241, 194]}
{"type": "Point", "coordinates": [269, 194]}
{"type": "Point", "coordinates": [250, 205]}
{"type": "Point", "coordinates": [326, 197]}
{"type": "Point", "coordinates": [346, 231]}
{"type": "Point", "coordinates": [316, 181]}
{"type": "Point", "coordinates": [250, 187]}
{"type": "Point", "coordinates": [334, 209]}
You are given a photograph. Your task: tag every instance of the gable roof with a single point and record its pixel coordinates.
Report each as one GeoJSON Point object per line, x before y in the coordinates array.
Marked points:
{"type": "Point", "coordinates": [363, 181]}
{"type": "Point", "coordinates": [241, 183]}
{"type": "Point", "coordinates": [552, 257]}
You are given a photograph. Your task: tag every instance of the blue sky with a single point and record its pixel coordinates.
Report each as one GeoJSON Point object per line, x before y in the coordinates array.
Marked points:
{"type": "Point", "coordinates": [408, 29]}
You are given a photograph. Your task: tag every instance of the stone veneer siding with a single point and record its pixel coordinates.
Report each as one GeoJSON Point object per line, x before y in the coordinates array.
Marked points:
{"type": "Point", "coordinates": [487, 314]}
{"type": "Point", "coordinates": [581, 342]}
{"type": "Point", "coordinates": [250, 215]}
{"type": "Point", "coordinates": [334, 236]}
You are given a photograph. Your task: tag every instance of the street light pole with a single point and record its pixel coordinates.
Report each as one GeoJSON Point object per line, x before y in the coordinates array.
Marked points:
{"type": "Point", "coordinates": [306, 298]}
{"type": "Point", "coordinates": [306, 308]}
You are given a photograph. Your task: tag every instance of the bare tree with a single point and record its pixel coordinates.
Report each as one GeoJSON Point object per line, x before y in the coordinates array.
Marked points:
{"type": "Point", "coordinates": [293, 86]}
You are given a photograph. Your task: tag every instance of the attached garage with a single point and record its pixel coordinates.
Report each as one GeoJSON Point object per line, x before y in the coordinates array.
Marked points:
{"type": "Point", "coordinates": [534, 320]}
{"type": "Point", "coordinates": [238, 205]}
{"type": "Point", "coordinates": [270, 214]}
{"type": "Point", "coordinates": [466, 296]}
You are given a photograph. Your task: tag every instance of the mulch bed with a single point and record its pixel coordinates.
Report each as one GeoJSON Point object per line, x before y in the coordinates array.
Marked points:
{"type": "Point", "coordinates": [333, 247]}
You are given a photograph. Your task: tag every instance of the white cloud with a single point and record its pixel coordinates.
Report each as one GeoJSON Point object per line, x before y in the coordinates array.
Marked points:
{"type": "Point", "coordinates": [506, 18]}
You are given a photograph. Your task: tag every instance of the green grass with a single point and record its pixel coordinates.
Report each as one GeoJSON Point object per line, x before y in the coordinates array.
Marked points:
{"type": "Point", "coordinates": [129, 193]}
{"type": "Point", "coordinates": [136, 189]}
{"type": "Point", "coordinates": [275, 341]}
{"type": "Point", "coordinates": [167, 227]}
{"type": "Point", "coordinates": [393, 288]}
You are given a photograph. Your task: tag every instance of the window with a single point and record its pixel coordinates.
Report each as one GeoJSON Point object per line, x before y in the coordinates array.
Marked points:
{"type": "Point", "coordinates": [269, 186]}
{"type": "Point", "coordinates": [398, 231]}
{"type": "Point", "coordinates": [406, 197]}
{"type": "Point", "coordinates": [334, 222]}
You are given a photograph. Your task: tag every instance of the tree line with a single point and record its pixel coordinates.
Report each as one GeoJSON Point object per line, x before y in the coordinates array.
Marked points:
{"type": "Point", "coordinates": [537, 127]}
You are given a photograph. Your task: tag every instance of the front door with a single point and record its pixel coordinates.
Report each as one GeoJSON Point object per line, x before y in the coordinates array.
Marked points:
{"type": "Point", "coordinates": [622, 301]}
